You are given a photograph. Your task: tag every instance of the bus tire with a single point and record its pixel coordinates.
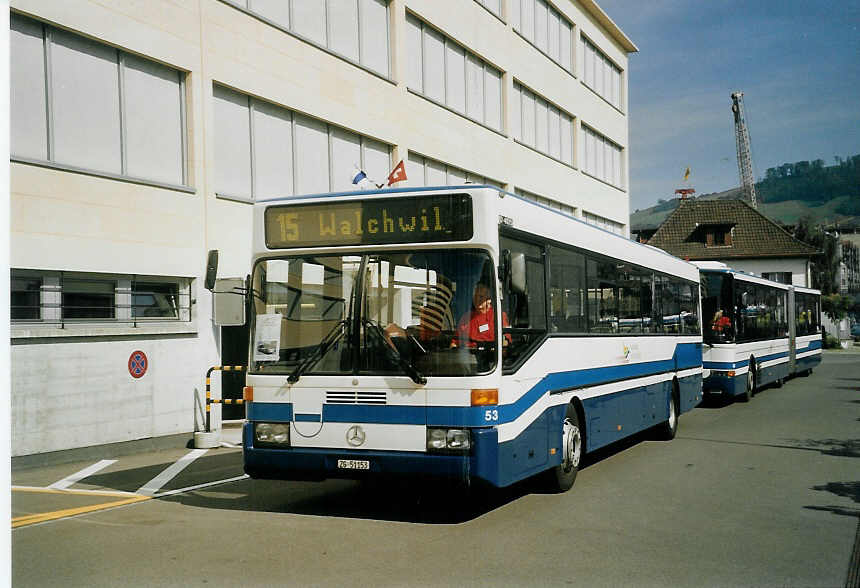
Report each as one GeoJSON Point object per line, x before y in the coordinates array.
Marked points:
{"type": "Point", "coordinates": [750, 391]}
{"type": "Point", "coordinates": [667, 430]}
{"type": "Point", "coordinates": [561, 477]}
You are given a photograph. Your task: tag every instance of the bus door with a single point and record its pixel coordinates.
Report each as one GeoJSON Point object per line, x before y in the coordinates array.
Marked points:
{"type": "Point", "coordinates": [234, 351]}
{"type": "Point", "coordinates": [792, 332]}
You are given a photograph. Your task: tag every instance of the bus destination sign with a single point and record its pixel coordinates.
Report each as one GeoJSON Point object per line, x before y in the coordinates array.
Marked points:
{"type": "Point", "coordinates": [380, 221]}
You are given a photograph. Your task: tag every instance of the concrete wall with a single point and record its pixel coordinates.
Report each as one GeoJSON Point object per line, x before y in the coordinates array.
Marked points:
{"type": "Point", "coordinates": [80, 393]}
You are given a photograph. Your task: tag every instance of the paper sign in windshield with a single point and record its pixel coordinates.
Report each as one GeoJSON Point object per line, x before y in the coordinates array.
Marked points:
{"type": "Point", "coordinates": [267, 337]}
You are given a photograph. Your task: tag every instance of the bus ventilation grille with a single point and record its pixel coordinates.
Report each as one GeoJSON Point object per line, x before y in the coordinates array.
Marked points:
{"type": "Point", "coordinates": [355, 397]}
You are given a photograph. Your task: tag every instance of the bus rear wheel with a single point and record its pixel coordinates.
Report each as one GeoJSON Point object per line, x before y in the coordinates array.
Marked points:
{"type": "Point", "coordinates": [561, 477]}
{"type": "Point", "coordinates": [668, 429]}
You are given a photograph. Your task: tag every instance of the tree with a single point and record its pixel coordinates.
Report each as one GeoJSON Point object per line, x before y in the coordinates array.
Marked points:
{"type": "Point", "coordinates": [837, 306]}
{"type": "Point", "coordinates": [825, 265]}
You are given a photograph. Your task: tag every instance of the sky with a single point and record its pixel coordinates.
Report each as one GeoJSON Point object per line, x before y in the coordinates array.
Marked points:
{"type": "Point", "coordinates": [796, 61]}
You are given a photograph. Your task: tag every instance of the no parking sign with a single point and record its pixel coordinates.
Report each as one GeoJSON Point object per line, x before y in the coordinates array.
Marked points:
{"type": "Point", "coordinates": [137, 364]}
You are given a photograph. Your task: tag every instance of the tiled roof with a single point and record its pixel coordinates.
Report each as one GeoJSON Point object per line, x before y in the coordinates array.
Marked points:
{"type": "Point", "coordinates": [753, 234]}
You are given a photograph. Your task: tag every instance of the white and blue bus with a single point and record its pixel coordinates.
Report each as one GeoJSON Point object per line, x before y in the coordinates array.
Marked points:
{"type": "Point", "coordinates": [756, 331]}
{"type": "Point", "coordinates": [457, 332]}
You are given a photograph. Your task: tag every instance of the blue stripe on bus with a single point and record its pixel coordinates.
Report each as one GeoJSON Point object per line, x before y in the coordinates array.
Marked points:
{"type": "Point", "coordinates": [274, 412]}
{"type": "Point", "coordinates": [684, 357]}
{"type": "Point", "coordinates": [308, 418]}
{"type": "Point", "coordinates": [728, 365]}
{"type": "Point", "coordinates": [724, 365]}
{"type": "Point", "coordinates": [363, 413]}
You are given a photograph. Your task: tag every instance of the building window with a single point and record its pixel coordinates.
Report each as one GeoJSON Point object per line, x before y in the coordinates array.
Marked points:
{"type": "Point", "coordinates": [262, 150]}
{"type": "Point", "coordinates": [155, 300]}
{"type": "Point", "coordinates": [423, 171]}
{"type": "Point", "coordinates": [88, 299]}
{"type": "Point", "coordinates": [446, 73]}
{"type": "Point", "coordinates": [25, 297]}
{"type": "Point", "coordinates": [546, 28]}
{"type": "Point", "coordinates": [548, 202]}
{"type": "Point", "coordinates": [719, 237]}
{"type": "Point", "coordinates": [601, 158]}
{"type": "Point", "coordinates": [714, 235]}
{"type": "Point", "coordinates": [354, 29]}
{"type": "Point", "coordinates": [81, 103]}
{"type": "Point", "coordinates": [781, 277]}
{"type": "Point", "coordinates": [58, 298]}
{"type": "Point", "coordinates": [599, 73]}
{"type": "Point", "coordinates": [603, 222]}
{"type": "Point", "coordinates": [541, 125]}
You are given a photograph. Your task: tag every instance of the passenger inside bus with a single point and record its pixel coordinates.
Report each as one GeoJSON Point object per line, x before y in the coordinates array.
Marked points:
{"type": "Point", "coordinates": [721, 324]}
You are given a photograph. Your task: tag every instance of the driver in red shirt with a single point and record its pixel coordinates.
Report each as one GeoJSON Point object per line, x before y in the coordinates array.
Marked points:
{"type": "Point", "coordinates": [479, 324]}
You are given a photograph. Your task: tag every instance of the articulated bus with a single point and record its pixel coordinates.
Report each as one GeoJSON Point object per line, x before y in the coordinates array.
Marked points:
{"type": "Point", "coordinates": [463, 333]}
{"type": "Point", "coordinates": [756, 331]}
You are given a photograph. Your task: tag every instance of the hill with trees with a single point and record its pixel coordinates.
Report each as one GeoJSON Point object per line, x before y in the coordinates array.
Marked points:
{"type": "Point", "coordinates": [825, 194]}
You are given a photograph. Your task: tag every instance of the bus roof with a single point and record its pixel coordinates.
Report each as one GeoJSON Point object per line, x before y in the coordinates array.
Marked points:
{"type": "Point", "coordinates": [351, 194]}
{"type": "Point", "coordinates": [380, 192]}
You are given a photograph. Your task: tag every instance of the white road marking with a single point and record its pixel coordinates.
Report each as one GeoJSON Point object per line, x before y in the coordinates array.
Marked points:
{"type": "Point", "coordinates": [77, 476]}
{"type": "Point", "coordinates": [155, 484]}
{"type": "Point", "coordinates": [199, 486]}
{"type": "Point", "coordinates": [81, 491]}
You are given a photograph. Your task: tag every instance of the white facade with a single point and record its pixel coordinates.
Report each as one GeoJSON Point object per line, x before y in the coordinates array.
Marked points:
{"type": "Point", "coordinates": [797, 266]}
{"type": "Point", "coordinates": [142, 132]}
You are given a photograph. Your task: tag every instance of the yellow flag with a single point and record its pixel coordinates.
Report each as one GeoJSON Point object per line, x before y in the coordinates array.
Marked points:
{"type": "Point", "coordinates": [687, 174]}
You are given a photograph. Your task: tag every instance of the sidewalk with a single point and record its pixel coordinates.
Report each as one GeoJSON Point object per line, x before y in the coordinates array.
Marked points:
{"type": "Point", "coordinates": [852, 348]}
{"type": "Point", "coordinates": [230, 436]}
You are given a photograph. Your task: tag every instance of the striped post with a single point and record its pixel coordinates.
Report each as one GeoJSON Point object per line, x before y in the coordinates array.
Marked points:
{"type": "Point", "coordinates": [209, 400]}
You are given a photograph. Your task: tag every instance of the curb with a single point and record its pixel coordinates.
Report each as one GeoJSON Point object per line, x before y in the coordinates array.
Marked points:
{"type": "Point", "coordinates": [95, 452]}
{"type": "Point", "coordinates": [108, 450]}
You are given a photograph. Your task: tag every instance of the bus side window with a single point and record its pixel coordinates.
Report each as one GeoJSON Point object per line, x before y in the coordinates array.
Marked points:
{"type": "Point", "coordinates": [526, 312]}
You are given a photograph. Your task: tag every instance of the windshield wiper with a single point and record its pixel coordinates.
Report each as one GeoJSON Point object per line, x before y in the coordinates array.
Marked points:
{"type": "Point", "coordinates": [404, 363]}
{"type": "Point", "coordinates": [332, 337]}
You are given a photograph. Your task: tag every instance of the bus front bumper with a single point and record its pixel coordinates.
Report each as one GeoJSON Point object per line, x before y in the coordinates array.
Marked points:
{"type": "Point", "coordinates": [303, 463]}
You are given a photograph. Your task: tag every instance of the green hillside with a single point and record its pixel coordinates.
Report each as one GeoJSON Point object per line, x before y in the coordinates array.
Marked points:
{"type": "Point", "coordinates": [789, 192]}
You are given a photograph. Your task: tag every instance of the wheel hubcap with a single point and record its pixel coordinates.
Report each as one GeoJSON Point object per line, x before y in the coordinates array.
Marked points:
{"type": "Point", "coordinates": [572, 446]}
{"type": "Point", "coordinates": [673, 418]}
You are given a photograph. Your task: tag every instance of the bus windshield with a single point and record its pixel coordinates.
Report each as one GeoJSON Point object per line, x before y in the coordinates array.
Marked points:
{"type": "Point", "coordinates": [717, 310]}
{"type": "Point", "coordinates": [381, 313]}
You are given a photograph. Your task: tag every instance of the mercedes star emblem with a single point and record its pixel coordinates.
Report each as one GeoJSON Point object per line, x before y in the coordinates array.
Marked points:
{"type": "Point", "coordinates": [355, 436]}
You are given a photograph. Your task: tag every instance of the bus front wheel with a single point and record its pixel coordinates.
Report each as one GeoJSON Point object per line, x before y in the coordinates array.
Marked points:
{"type": "Point", "coordinates": [748, 393]}
{"type": "Point", "coordinates": [561, 477]}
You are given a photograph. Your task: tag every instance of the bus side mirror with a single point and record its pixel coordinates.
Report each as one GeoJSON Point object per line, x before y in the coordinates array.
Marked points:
{"type": "Point", "coordinates": [228, 302]}
{"type": "Point", "coordinates": [518, 273]}
{"type": "Point", "coordinates": [211, 270]}
{"type": "Point", "coordinates": [505, 267]}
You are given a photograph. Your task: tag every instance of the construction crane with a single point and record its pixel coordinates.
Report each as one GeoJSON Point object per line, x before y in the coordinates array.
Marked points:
{"type": "Point", "coordinates": [742, 140]}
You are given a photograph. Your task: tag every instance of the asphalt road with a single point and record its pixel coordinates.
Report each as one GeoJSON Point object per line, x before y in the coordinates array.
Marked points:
{"type": "Point", "coordinates": [759, 494]}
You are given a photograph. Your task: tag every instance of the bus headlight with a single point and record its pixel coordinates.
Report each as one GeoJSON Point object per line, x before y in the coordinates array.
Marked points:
{"type": "Point", "coordinates": [449, 440]}
{"type": "Point", "coordinates": [272, 434]}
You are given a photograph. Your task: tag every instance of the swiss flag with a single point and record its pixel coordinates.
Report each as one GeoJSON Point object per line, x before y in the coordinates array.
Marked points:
{"type": "Point", "coordinates": [398, 174]}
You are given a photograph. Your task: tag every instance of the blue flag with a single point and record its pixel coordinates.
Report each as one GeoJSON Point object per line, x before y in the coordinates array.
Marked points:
{"type": "Point", "coordinates": [359, 177]}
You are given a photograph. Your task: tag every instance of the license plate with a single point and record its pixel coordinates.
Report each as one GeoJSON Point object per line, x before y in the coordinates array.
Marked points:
{"type": "Point", "coordinates": [353, 464]}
